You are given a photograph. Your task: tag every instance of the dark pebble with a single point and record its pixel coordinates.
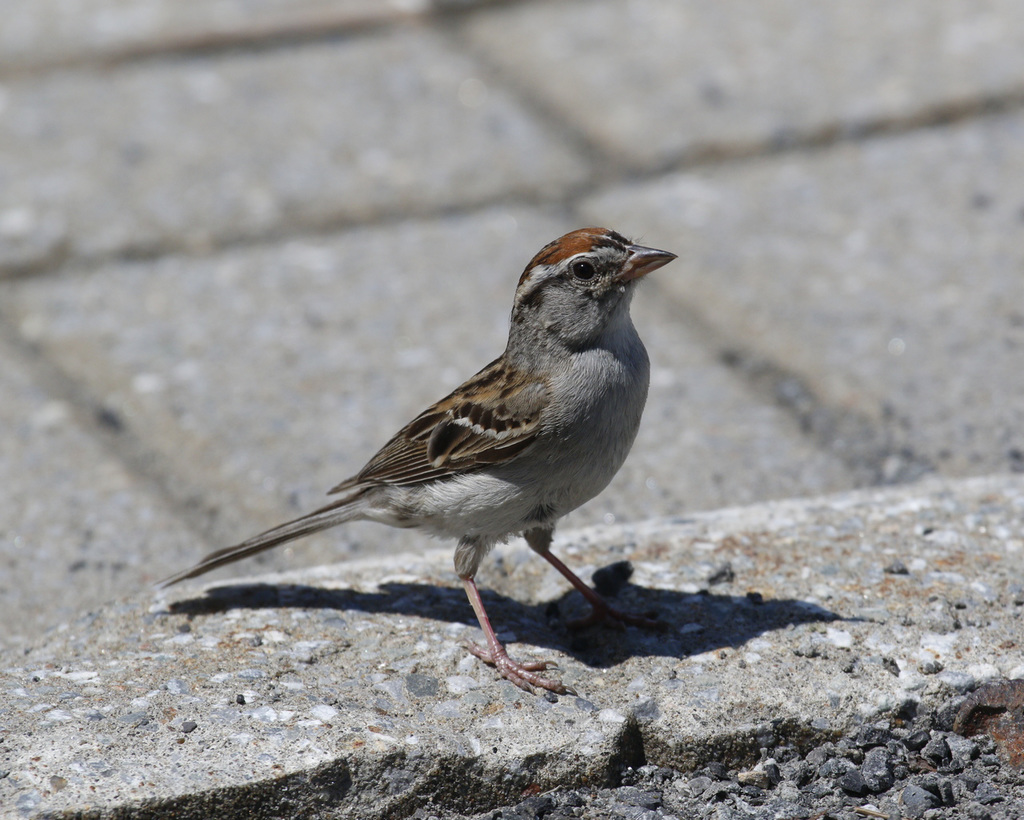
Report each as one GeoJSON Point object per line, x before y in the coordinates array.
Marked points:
{"type": "Point", "coordinates": [936, 751]}
{"type": "Point", "coordinates": [976, 811]}
{"type": "Point", "coordinates": [632, 796]}
{"type": "Point", "coordinates": [917, 740]}
{"type": "Point", "coordinates": [870, 736]}
{"type": "Point", "coordinates": [799, 772]}
{"type": "Point", "coordinates": [717, 770]}
{"type": "Point", "coordinates": [836, 767]}
{"type": "Point", "coordinates": [819, 789]}
{"type": "Point", "coordinates": [773, 772]}
{"type": "Point", "coordinates": [700, 785]}
{"type": "Point", "coordinates": [962, 751]}
{"type": "Point", "coordinates": [916, 801]}
{"type": "Point", "coordinates": [240, 700]}
{"type": "Point", "coordinates": [876, 771]}
{"type": "Point", "coordinates": [609, 580]}
{"type": "Point", "coordinates": [897, 567]}
{"type": "Point", "coordinates": [421, 686]}
{"type": "Point", "coordinates": [986, 794]}
{"type": "Point", "coordinates": [535, 807]}
{"type": "Point", "coordinates": [853, 783]}
{"type": "Point", "coordinates": [820, 754]}
{"type": "Point", "coordinates": [137, 718]}
{"type": "Point", "coordinates": [189, 726]}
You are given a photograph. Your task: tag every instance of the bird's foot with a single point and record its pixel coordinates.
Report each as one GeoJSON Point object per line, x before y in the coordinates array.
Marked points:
{"type": "Point", "coordinates": [522, 675]}
{"type": "Point", "coordinates": [602, 612]}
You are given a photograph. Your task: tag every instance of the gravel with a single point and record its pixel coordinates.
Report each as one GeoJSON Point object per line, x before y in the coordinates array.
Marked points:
{"type": "Point", "coordinates": [913, 768]}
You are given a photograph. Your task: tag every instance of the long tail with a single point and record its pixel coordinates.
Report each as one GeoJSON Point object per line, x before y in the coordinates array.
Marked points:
{"type": "Point", "coordinates": [335, 513]}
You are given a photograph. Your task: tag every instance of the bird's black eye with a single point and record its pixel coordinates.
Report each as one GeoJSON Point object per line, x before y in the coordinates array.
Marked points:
{"type": "Point", "coordinates": [582, 269]}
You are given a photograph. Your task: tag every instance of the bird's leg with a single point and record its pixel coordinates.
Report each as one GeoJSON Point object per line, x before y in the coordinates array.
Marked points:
{"type": "Point", "coordinates": [522, 675]}
{"type": "Point", "coordinates": [540, 541]}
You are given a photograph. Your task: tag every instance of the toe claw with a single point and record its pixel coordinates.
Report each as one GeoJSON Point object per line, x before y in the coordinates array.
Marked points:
{"type": "Point", "coordinates": [523, 675]}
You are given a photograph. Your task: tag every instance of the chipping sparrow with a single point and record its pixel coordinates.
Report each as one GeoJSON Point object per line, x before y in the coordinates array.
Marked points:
{"type": "Point", "coordinates": [531, 437]}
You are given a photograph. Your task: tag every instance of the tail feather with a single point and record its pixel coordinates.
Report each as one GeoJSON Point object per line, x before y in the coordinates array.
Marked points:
{"type": "Point", "coordinates": [335, 513]}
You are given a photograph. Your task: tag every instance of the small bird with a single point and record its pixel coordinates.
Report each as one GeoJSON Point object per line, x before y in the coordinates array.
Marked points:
{"type": "Point", "coordinates": [539, 431]}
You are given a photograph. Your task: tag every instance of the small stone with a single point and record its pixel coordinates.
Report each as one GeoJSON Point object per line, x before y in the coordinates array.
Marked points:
{"type": "Point", "coordinates": [853, 783]}
{"type": "Point", "coordinates": [819, 754]}
{"type": "Point", "coordinates": [836, 767]}
{"type": "Point", "coordinates": [986, 794]}
{"type": "Point", "coordinates": [135, 718]}
{"type": "Point", "coordinates": [807, 649]}
{"type": "Point", "coordinates": [916, 801]}
{"type": "Point", "coordinates": [421, 686]}
{"type": "Point", "coordinates": [176, 686]}
{"type": "Point", "coordinates": [976, 811]}
{"type": "Point", "coordinates": [632, 796]}
{"type": "Point", "coordinates": [699, 785]}
{"type": "Point", "coordinates": [961, 750]}
{"type": "Point", "coordinates": [799, 772]}
{"type": "Point", "coordinates": [609, 580]}
{"type": "Point", "coordinates": [936, 751]}
{"type": "Point", "coordinates": [717, 770]}
{"type": "Point", "coordinates": [869, 736]}
{"type": "Point", "coordinates": [897, 567]}
{"type": "Point", "coordinates": [188, 726]}
{"type": "Point", "coordinates": [722, 575]}
{"type": "Point", "coordinates": [917, 741]}
{"type": "Point", "coordinates": [877, 770]}
{"type": "Point", "coordinates": [240, 700]}
{"type": "Point", "coordinates": [536, 806]}
{"type": "Point", "coordinates": [754, 777]}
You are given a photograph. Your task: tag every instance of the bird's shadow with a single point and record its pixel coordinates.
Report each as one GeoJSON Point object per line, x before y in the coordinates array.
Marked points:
{"type": "Point", "coordinates": [695, 622]}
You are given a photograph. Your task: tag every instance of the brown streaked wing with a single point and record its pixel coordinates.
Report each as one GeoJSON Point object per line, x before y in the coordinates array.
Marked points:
{"type": "Point", "coordinates": [491, 418]}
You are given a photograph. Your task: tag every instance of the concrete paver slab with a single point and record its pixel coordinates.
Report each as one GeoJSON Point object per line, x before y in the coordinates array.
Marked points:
{"type": "Point", "coordinates": [655, 81]}
{"type": "Point", "coordinates": [344, 688]}
{"type": "Point", "coordinates": [76, 528]}
{"type": "Point", "coordinates": [256, 379]}
{"type": "Point", "coordinates": [886, 275]}
{"type": "Point", "coordinates": [169, 154]}
{"type": "Point", "coordinates": [38, 33]}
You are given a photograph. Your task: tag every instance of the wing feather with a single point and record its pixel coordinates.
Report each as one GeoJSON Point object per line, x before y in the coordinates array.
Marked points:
{"type": "Point", "coordinates": [491, 418]}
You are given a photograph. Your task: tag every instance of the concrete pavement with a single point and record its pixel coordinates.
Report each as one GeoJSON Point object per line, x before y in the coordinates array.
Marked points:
{"type": "Point", "coordinates": [240, 245]}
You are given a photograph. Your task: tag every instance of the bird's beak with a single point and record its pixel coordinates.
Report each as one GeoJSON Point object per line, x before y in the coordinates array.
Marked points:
{"type": "Point", "coordinates": [642, 261]}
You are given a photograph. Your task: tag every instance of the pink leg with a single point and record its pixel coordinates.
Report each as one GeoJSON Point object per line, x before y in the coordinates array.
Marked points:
{"type": "Point", "coordinates": [521, 674]}
{"type": "Point", "coordinates": [601, 610]}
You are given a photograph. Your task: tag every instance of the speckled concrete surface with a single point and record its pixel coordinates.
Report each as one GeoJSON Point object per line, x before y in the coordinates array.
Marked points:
{"type": "Point", "coordinates": [345, 689]}
{"type": "Point", "coordinates": [165, 155]}
{"type": "Point", "coordinates": [71, 541]}
{"type": "Point", "coordinates": [655, 81]}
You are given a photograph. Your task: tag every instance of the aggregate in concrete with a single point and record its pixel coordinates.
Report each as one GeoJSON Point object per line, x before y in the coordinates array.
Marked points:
{"type": "Point", "coordinates": [884, 277]}
{"type": "Point", "coordinates": [652, 82]}
{"type": "Point", "coordinates": [346, 689]}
